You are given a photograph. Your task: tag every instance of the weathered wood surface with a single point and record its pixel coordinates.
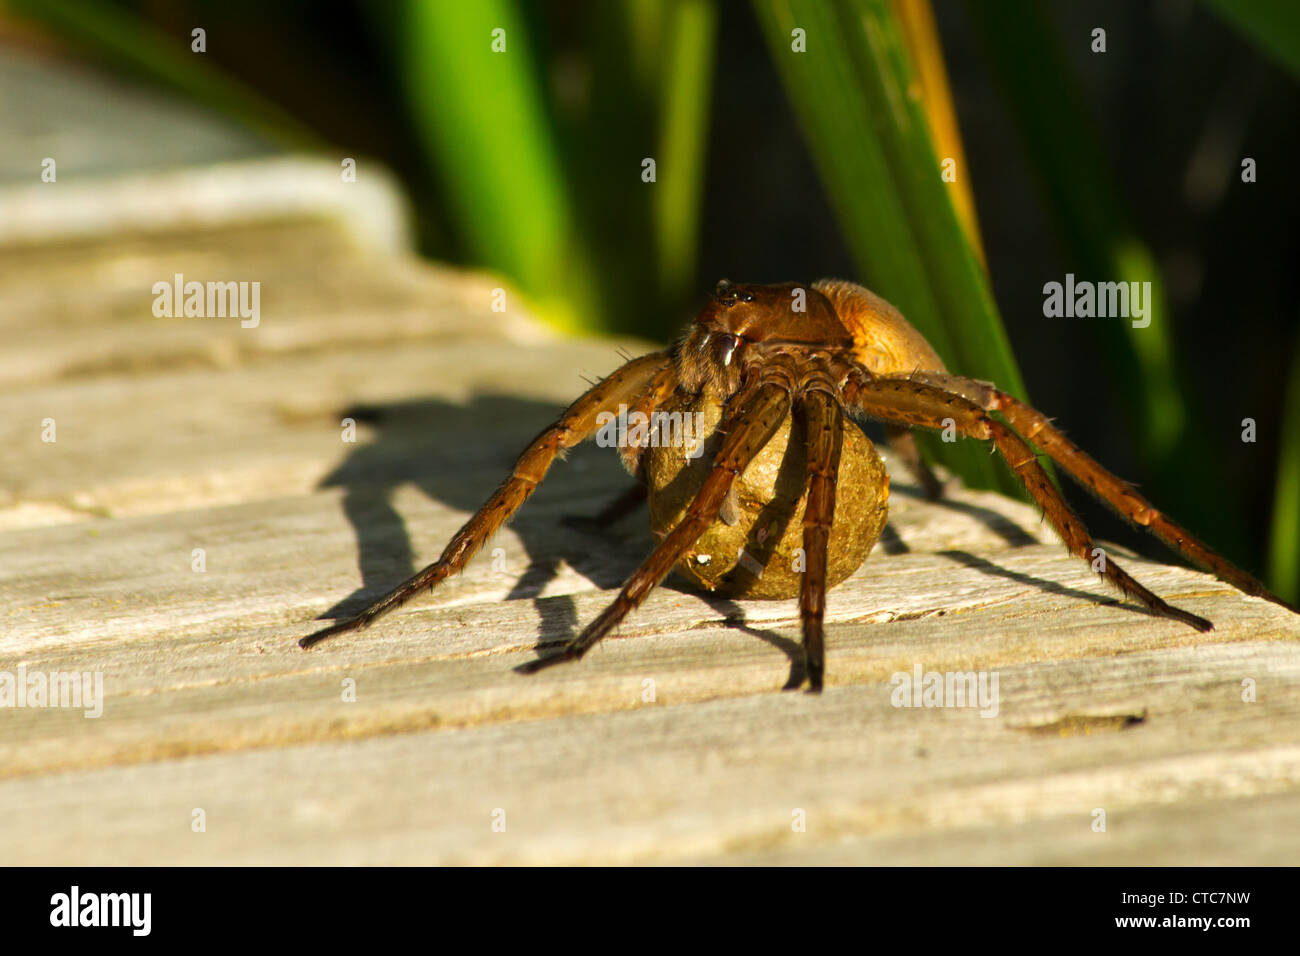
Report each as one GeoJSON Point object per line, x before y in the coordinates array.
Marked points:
{"type": "Point", "coordinates": [182, 434]}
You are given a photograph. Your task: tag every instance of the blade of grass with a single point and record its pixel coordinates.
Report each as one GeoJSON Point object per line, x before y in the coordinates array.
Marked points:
{"type": "Point", "coordinates": [1273, 25]}
{"type": "Point", "coordinates": [871, 143]}
{"type": "Point", "coordinates": [483, 119]}
{"type": "Point", "coordinates": [916, 17]}
{"type": "Point", "coordinates": [1284, 538]}
{"type": "Point", "coordinates": [606, 133]}
{"type": "Point", "coordinates": [650, 74]}
{"type": "Point", "coordinates": [683, 131]}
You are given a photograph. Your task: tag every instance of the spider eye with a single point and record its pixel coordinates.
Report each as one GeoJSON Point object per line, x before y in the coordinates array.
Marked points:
{"type": "Point", "coordinates": [726, 292]}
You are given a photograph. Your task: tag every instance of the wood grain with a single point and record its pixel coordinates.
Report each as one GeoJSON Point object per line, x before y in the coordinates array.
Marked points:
{"type": "Point", "coordinates": [672, 742]}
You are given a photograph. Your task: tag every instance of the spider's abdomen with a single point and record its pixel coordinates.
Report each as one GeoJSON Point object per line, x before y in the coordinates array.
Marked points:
{"type": "Point", "coordinates": [756, 548]}
{"type": "Point", "coordinates": [883, 341]}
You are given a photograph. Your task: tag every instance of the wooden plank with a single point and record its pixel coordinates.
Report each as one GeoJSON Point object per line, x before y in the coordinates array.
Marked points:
{"type": "Point", "coordinates": [84, 309]}
{"type": "Point", "coordinates": [202, 667]}
{"type": "Point", "coordinates": [274, 427]}
{"type": "Point", "coordinates": [247, 642]}
{"type": "Point", "coordinates": [718, 779]}
{"type": "Point", "coordinates": [209, 703]}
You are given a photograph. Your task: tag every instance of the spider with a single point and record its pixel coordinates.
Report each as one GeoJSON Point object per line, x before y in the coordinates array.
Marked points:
{"type": "Point", "coordinates": [774, 355]}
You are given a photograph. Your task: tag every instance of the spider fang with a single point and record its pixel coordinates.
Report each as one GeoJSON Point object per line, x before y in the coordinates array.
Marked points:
{"type": "Point", "coordinates": [727, 345]}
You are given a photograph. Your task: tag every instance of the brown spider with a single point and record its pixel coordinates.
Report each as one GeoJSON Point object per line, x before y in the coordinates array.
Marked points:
{"type": "Point", "coordinates": [766, 353]}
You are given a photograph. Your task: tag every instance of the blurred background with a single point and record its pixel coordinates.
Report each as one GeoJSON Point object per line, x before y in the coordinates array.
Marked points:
{"type": "Point", "coordinates": [801, 139]}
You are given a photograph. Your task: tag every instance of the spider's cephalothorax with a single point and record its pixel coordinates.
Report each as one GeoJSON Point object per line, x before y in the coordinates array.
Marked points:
{"type": "Point", "coordinates": [788, 325]}
{"type": "Point", "coordinates": [793, 362]}
{"type": "Point", "coordinates": [756, 549]}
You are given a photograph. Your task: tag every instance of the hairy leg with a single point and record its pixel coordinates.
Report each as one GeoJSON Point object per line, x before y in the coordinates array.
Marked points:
{"type": "Point", "coordinates": [623, 386]}
{"type": "Point", "coordinates": [1111, 490]}
{"type": "Point", "coordinates": [824, 432]}
{"type": "Point", "coordinates": [758, 417]}
{"type": "Point", "coordinates": [917, 403]}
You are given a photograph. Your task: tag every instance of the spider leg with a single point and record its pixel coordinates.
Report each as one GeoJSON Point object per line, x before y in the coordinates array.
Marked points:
{"type": "Point", "coordinates": [746, 431]}
{"type": "Point", "coordinates": [824, 435]}
{"type": "Point", "coordinates": [1107, 488]}
{"type": "Point", "coordinates": [652, 372]}
{"type": "Point", "coordinates": [632, 456]}
{"type": "Point", "coordinates": [917, 403]}
{"type": "Point", "coordinates": [903, 442]}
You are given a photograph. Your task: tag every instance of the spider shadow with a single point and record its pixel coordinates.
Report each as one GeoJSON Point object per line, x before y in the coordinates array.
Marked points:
{"type": "Point", "coordinates": [433, 445]}
{"type": "Point", "coordinates": [733, 613]}
{"type": "Point", "coordinates": [733, 616]}
{"type": "Point", "coordinates": [1010, 532]}
{"type": "Point", "coordinates": [1014, 535]}
{"type": "Point", "coordinates": [1051, 587]}
{"type": "Point", "coordinates": [769, 527]}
